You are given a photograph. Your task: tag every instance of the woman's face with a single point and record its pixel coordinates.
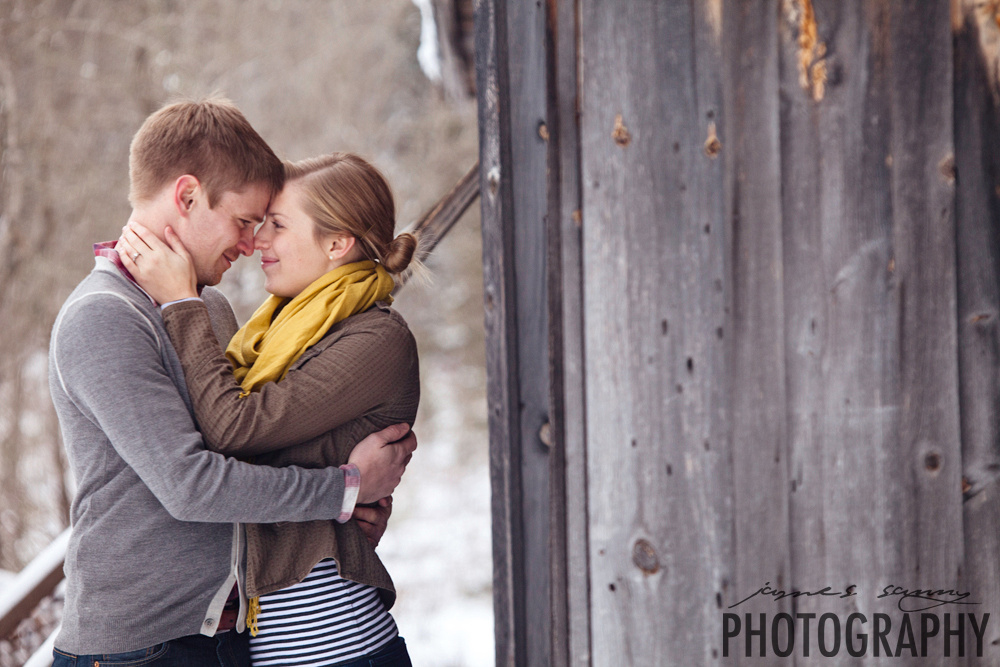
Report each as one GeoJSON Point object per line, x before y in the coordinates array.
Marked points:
{"type": "Point", "coordinates": [290, 254]}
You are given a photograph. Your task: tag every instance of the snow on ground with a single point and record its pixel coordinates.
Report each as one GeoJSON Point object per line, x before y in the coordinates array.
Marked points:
{"type": "Point", "coordinates": [437, 549]}
{"type": "Point", "coordinates": [438, 546]}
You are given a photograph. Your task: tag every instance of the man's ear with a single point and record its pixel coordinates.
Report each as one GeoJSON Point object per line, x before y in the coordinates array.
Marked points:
{"type": "Point", "coordinates": [187, 190]}
{"type": "Point", "coordinates": [339, 246]}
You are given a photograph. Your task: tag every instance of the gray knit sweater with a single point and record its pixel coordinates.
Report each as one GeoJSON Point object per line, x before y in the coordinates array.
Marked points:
{"type": "Point", "coordinates": [154, 550]}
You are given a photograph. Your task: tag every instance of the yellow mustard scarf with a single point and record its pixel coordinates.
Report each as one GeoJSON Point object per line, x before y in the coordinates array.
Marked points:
{"type": "Point", "coordinates": [267, 345]}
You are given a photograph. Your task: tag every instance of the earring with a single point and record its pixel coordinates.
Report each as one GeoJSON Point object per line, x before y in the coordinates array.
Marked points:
{"type": "Point", "coordinates": [331, 257]}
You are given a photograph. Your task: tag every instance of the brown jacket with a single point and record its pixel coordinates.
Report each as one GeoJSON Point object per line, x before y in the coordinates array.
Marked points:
{"type": "Point", "coordinates": [361, 377]}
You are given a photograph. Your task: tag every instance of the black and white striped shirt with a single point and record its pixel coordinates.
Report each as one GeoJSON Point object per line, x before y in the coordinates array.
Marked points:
{"type": "Point", "coordinates": [321, 620]}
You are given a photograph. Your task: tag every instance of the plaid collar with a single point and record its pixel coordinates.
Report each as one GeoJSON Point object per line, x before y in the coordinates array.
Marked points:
{"type": "Point", "coordinates": [107, 251]}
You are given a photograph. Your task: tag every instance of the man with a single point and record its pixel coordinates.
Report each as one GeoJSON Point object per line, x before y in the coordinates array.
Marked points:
{"type": "Point", "coordinates": [156, 546]}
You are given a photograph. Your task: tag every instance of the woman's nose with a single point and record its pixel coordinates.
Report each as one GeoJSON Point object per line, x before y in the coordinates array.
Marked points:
{"type": "Point", "coordinates": [260, 240]}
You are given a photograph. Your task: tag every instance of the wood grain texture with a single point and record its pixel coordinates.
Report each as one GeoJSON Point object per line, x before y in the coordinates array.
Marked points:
{"type": "Point", "coordinates": [502, 367]}
{"type": "Point", "coordinates": [562, 157]}
{"type": "Point", "coordinates": [529, 151]}
{"type": "Point", "coordinates": [657, 460]}
{"type": "Point", "coordinates": [927, 532]}
{"type": "Point", "coordinates": [570, 562]}
{"type": "Point", "coordinates": [812, 173]}
{"type": "Point", "coordinates": [870, 335]}
{"type": "Point", "coordinates": [977, 213]}
{"type": "Point", "coordinates": [843, 315]}
{"type": "Point", "coordinates": [512, 98]}
{"type": "Point", "coordinates": [774, 342]}
{"type": "Point", "coordinates": [754, 376]}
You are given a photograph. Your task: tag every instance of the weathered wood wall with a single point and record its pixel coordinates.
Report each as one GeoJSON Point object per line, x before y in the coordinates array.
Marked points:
{"type": "Point", "coordinates": [514, 275]}
{"type": "Point", "coordinates": [977, 212]}
{"type": "Point", "coordinates": [773, 285]}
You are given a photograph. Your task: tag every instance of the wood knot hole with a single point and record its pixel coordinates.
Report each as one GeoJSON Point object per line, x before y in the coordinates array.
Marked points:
{"type": "Point", "coordinates": [947, 168]}
{"type": "Point", "coordinates": [493, 180]}
{"type": "Point", "coordinates": [932, 462]}
{"type": "Point", "coordinates": [644, 557]}
{"type": "Point", "coordinates": [620, 133]}
{"type": "Point", "coordinates": [712, 144]}
{"type": "Point", "coordinates": [545, 434]}
{"type": "Point", "coordinates": [543, 130]}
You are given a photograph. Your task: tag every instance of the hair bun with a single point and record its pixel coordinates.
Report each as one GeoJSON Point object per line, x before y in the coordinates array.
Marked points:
{"type": "Point", "coordinates": [400, 253]}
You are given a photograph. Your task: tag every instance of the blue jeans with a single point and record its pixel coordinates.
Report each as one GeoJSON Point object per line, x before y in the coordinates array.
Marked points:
{"type": "Point", "coordinates": [227, 649]}
{"type": "Point", "coordinates": [393, 654]}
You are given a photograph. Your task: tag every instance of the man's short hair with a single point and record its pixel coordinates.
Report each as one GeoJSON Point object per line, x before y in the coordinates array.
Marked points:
{"type": "Point", "coordinates": [211, 140]}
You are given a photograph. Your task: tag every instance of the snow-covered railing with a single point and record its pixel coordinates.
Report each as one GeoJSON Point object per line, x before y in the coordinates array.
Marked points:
{"type": "Point", "coordinates": [37, 580]}
{"type": "Point", "coordinates": [43, 656]}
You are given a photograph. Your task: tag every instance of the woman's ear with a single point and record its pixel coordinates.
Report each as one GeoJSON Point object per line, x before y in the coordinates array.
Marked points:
{"type": "Point", "coordinates": [339, 246]}
{"type": "Point", "coordinates": [187, 189]}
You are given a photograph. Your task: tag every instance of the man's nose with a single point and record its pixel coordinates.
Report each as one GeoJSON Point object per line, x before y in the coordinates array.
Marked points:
{"type": "Point", "coordinates": [246, 243]}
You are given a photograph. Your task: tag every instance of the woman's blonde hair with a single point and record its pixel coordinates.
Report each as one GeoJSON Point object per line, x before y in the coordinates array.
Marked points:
{"type": "Point", "coordinates": [344, 193]}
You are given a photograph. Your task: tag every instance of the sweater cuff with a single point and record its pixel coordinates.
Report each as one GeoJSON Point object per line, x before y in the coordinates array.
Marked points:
{"type": "Point", "coordinates": [352, 485]}
{"type": "Point", "coordinates": [170, 303]}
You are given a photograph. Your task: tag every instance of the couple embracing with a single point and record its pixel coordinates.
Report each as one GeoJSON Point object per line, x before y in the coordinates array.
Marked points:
{"type": "Point", "coordinates": [232, 483]}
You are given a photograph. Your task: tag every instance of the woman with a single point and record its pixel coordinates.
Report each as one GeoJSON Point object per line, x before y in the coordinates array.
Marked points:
{"type": "Point", "coordinates": [321, 364]}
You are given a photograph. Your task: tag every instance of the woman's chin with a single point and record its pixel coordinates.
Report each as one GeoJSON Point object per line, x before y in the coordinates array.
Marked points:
{"type": "Point", "coordinates": [276, 290]}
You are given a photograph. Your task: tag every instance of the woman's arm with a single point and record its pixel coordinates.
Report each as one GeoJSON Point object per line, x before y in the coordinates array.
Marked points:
{"type": "Point", "coordinates": [348, 379]}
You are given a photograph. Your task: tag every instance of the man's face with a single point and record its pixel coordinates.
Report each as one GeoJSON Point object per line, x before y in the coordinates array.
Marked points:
{"type": "Point", "coordinates": [216, 237]}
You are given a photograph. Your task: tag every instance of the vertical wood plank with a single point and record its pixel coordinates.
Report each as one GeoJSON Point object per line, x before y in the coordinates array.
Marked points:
{"type": "Point", "coordinates": [570, 569]}
{"type": "Point", "coordinates": [813, 169]}
{"type": "Point", "coordinates": [867, 224]}
{"type": "Point", "coordinates": [928, 460]}
{"type": "Point", "coordinates": [512, 110]}
{"type": "Point", "coordinates": [755, 372]}
{"type": "Point", "coordinates": [842, 311]}
{"type": "Point", "coordinates": [527, 62]}
{"type": "Point", "coordinates": [502, 368]}
{"type": "Point", "coordinates": [657, 458]}
{"type": "Point", "coordinates": [701, 344]}
{"type": "Point", "coordinates": [977, 214]}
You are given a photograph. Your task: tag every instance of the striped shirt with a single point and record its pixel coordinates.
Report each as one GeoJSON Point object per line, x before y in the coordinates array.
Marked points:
{"type": "Point", "coordinates": [322, 620]}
